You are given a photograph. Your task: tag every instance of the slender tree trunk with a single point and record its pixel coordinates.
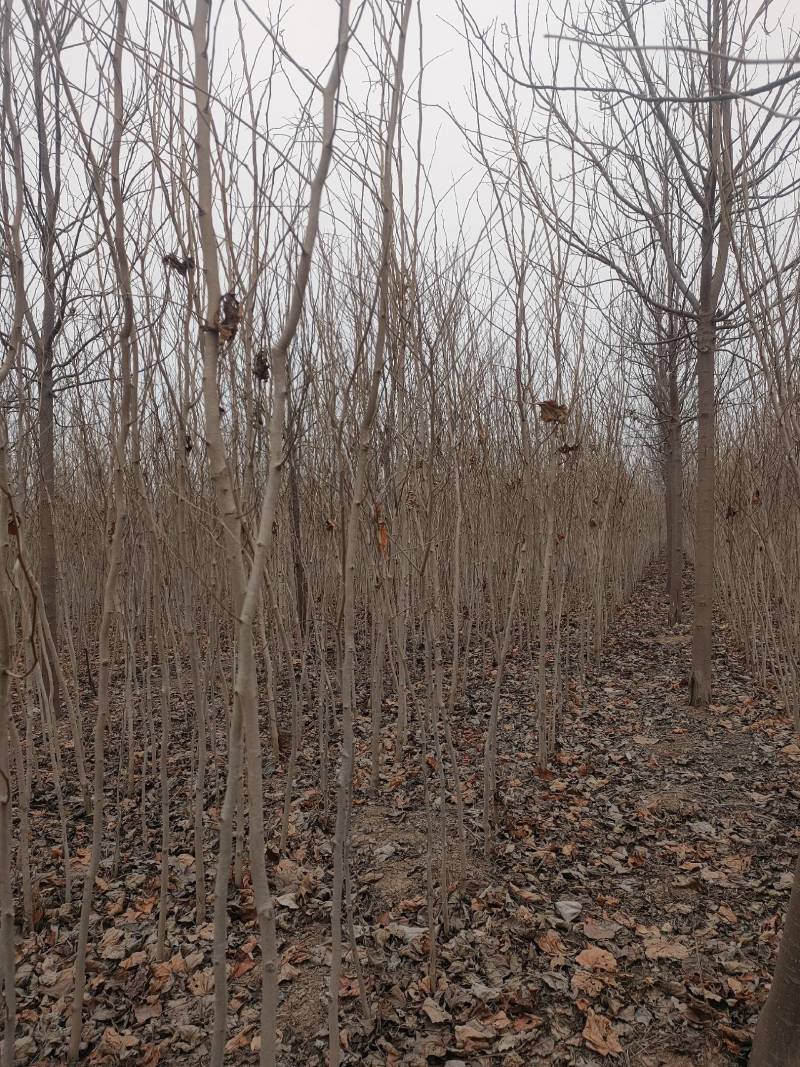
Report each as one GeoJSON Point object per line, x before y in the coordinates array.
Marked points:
{"type": "Point", "coordinates": [7, 961]}
{"type": "Point", "coordinates": [300, 580]}
{"type": "Point", "coordinates": [668, 511]}
{"type": "Point", "coordinates": [490, 745]}
{"type": "Point", "coordinates": [700, 683]}
{"type": "Point", "coordinates": [718, 194]}
{"type": "Point", "coordinates": [47, 482]}
{"type": "Point", "coordinates": [49, 155]}
{"type": "Point", "coordinates": [675, 499]}
{"type": "Point", "coordinates": [380, 626]}
{"type": "Point", "coordinates": [227, 506]}
{"type": "Point", "coordinates": [541, 658]}
{"type": "Point", "coordinates": [115, 236]}
{"type": "Point", "coordinates": [777, 1038]}
{"type": "Point", "coordinates": [163, 772]}
{"type": "Point", "coordinates": [345, 778]}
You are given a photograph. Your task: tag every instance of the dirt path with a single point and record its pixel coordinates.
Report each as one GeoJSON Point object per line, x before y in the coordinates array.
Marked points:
{"type": "Point", "coordinates": [680, 826]}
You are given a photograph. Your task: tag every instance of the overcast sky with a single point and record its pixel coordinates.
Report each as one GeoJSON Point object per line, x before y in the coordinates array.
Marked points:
{"type": "Point", "coordinates": [310, 30]}
{"type": "Point", "coordinates": [310, 33]}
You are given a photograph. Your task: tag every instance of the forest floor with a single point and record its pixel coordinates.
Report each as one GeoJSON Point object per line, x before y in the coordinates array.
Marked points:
{"type": "Point", "coordinates": [630, 914]}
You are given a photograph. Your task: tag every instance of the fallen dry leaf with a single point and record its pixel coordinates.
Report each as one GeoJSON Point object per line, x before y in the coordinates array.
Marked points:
{"type": "Point", "coordinates": [474, 1035]}
{"type": "Point", "coordinates": [584, 983]}
{"type": "Point", "coordinates": [657, 948]}
{"type": "Point", "coordinates": [596, 959]}
{"type": "Point", "coordinates": [551, 944]}
{"type": "Point", "coordinates": [201, 983]}
{"type": "Point", "coordinates": [600, 931]}
{"type": "Point", "coordinates": [599, 1035]}
{"type": "Point", "coordinates": [435, 1013]}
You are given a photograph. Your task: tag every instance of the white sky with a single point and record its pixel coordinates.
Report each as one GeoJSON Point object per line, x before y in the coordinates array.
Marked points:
{"type": "Point", "coordinates": [310, 33]}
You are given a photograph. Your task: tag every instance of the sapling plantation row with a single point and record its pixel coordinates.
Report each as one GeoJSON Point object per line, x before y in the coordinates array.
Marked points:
{"type": "Point", "coordinates": [318, 470]}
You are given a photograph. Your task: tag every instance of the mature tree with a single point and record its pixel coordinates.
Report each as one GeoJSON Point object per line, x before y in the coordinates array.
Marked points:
{"type": "Point", "coordinates": [677, 113]}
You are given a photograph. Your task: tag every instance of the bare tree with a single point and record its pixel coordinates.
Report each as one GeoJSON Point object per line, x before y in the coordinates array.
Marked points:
{"type": "Point", "coordinates": [708, 145]}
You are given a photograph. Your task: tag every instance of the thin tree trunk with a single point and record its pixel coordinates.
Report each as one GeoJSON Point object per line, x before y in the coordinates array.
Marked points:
{"type": "Point", "coordinates": [47, 541]}
{"type": "Point", "coordinates": [163, 772]}
{"type": "Point", "coordinates": [48, 155]}
{"type": "Point", "coordinates": [718, 192]}
{"type": "Point", "coordinates": [115, 236]}
{"type": "Point", "coordinates": [380, 625]}
{"type": "Point", "coordinates": [675, 495]}
{"type": "Point", "coordinates": [541, 664]}
{"type": "Point", "coordinates": [777, 1038]}
{"type": "Point", "coordinates": [300, 580]}
{"type": "Point", "coordinates": [7, 962]}
{"type": "Point", "coordinates": [700, 683]}
{"type": "Point", "coordinates": [490, 745]}
{"type": "Point", "coordinates": [345, 780]}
